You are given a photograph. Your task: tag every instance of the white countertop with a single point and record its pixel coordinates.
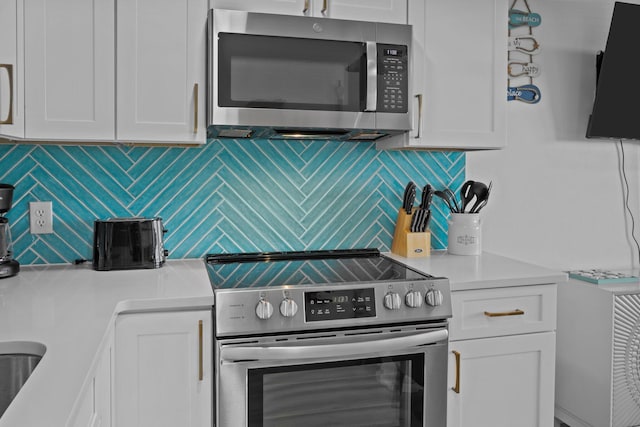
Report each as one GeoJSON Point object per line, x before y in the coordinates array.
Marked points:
{"type": "Point", "coordinates": [483, 271]}
{"type": "Point", "coordinates": [70, 309]}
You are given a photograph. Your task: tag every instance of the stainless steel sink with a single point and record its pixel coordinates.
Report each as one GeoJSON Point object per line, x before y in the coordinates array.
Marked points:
{"type": "Point", "coordinates": [18, 359]}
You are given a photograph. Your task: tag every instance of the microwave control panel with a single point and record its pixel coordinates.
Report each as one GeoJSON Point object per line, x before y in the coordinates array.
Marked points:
{"type": "Point", "coordinates": [393, 79]}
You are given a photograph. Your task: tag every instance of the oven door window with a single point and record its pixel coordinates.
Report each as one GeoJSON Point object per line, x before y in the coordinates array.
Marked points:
{"type": "Point", "coordinates": [290, 73]}
{"type": "Point", "coordinates": [386, 391]}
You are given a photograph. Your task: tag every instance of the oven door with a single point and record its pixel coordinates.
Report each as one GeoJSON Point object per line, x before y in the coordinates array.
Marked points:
{"type": "Point", "coordinates": [374, 377]}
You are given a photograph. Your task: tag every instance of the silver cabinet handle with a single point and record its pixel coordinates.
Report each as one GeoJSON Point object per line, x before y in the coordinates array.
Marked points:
{"type": "Point", "coordinates": [195, 108]}
{"type": "Point", "coordinates": [419, 96]}
{"type": "Point", "coordinates": [325, 6]}
{"type": "Point", "coordinates": [9, 119]}
{"type": "Point", "coordinates": [350, 349]}
{"type": "Point", "coordinates": [306, 7]}
{"type": "Point", "coordinates": [372, 76]}
{"type": "Point", "coordinates": [200, 352]}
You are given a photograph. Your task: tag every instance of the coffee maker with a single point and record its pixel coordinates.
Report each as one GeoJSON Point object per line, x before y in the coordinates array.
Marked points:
{"type": "Point", "coordinates": [8, 266]}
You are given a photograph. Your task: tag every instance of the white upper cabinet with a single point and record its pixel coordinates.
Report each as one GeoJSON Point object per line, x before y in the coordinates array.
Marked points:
{"type": "Point", "coordinates": [11, 101]}
{"type": "Point", "coordinates": [459, 75]}
{"type": "Point", "coordinates": [281, 7]}
{"type": "Point", "coordinates": [69, 69]}
{"type": "Point", "coordinates": [89, 74]}
{"type": "Point", "coordinates": [392, 11]}
{"type": "Point", "coordinates": [161, 47]}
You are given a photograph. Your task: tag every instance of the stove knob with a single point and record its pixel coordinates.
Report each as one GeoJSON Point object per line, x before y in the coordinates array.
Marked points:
{"type": "Point", "coordinates": [392, 301]}
{"type": "Point", "coordinates": [413, 299]}
{"type": "Point", "coordinates": [288, 307]}
{"type": "Point", "coordinates": [264, 309]}
{"type": "Point", "coordinates": [434, 297]}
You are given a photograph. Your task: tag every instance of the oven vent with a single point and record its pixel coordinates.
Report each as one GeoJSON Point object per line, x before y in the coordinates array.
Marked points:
{"type": "Point", "coordinates": [316, 337]}
{"type": "Point", "coordinates": [364, 332]}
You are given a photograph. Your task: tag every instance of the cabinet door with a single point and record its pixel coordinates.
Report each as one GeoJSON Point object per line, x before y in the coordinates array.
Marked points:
{"type": "Point", "coordinates": [69, 69]}
{"type": "Point", "coordinates": [161, 70]}
{"type": "Point", "coordinates": [11, 105]}
{"type": "Point", "coordinates": [162, 370]}
{"type": "Point", "coordinates": [282, 7]}
{"type": "Point", "coordinates": [102, 391]}
{"type": "Point", "coordinates": [392, 11]}
{"type": "Point", "coordinates": [460, 74]}
{"type": "Point", "coordinates": [93, 407]}
{"type": "Point", "coordinates": [503, 381]}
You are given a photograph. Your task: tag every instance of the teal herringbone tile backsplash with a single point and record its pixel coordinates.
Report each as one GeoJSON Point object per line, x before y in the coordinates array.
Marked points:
{"type": "Point", "coordinates": [227, 196]}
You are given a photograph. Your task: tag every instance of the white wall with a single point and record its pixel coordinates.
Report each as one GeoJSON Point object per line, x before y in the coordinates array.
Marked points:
{"type": "Point", "coordinates": [557, 198]}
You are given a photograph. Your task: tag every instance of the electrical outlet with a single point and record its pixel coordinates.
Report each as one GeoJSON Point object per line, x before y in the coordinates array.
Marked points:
{"type": "Point", "coordinates": [40, 218]}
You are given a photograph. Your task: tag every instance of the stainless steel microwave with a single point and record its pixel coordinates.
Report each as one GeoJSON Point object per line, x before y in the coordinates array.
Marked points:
{"type": "Point", "coordinates": [275, 76]}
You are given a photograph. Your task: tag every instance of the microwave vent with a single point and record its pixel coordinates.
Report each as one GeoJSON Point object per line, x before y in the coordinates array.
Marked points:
{"type": "Point", "coordinates": [366, 136]}
{"type": "Point", "coordinates": [235, 133]}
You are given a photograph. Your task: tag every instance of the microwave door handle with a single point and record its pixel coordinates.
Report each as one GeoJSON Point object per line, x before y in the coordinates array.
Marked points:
{"type": "Point", "coordinates": [351, 349]}
{"type": "Point", "coordinates": [372, 77]}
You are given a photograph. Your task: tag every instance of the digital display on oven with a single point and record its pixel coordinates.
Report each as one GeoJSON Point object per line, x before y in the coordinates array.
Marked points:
{"type": "Point", "coordinates": [339, 304]}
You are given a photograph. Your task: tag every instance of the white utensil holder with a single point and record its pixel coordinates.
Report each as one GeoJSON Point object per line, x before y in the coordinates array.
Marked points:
{"type": "Point", "coordinates": [465, 234]}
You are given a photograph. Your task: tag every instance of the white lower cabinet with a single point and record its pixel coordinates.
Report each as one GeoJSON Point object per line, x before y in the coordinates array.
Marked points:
{"type": "Point", "coordinates": [163, 369]}
{"type": "Point", "coordinates": [93, 408]}
{"type": "Point", "coordinates": [504, 381]}
{"type": "Point", "coordinates": [502, 357]}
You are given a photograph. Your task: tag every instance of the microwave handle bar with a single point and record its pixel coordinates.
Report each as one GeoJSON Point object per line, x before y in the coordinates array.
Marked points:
{"type": "Point", "coordinates": [262, 353]}
{"type": "Point", "coordinates": [372, 76]}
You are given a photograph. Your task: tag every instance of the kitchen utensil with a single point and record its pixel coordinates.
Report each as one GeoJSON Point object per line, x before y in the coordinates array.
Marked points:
{"type": "Point", "coordinates": [426, 221]}
{"type": "Point", "coordinates": [427, 196]}
{"type": "Point", "coordinates": [423, 213]}
{"type": "Point", "coordinates": [481, 193]}
{"type": "Point", "coordinates": [466, 195]}
{"type": "Point", "coordinates": [445, 196]}
{"type": "Point", "coordinates": [409, 197]}
{"type": "Point", "coordinates": [415, 221]}
{"type": "Point", "coordinates": [453, 199]}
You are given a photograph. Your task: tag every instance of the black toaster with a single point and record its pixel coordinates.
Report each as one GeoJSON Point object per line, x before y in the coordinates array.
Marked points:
{"type": "Point", "coordinates": [128, 243]}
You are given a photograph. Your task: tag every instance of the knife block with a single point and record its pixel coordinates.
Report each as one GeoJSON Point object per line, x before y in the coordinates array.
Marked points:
{"type": "Point", "coordinates": [408, 244]}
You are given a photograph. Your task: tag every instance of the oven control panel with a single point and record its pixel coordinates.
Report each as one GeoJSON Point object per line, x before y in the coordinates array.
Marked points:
{"type": "Point", "coordinates": [339, 304]}
{"type": "Point", "coordinates": [294, 308]}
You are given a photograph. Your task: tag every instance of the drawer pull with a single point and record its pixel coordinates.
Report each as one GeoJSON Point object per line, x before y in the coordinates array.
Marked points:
{"type": "Point", "coordinates": [9, 119]}
{"type": "Point", "coordinates": [516, 312]}
{"type": "Point", "coordinates": [195, 108]}
{"type": "Point", "coordinates": [456, 388]}
{"type": "Point", "coordinates": [200, 350]}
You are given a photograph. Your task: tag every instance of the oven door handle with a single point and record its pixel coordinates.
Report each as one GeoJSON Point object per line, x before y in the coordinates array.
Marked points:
{"type": "Point", "coordinates": [362, 348]}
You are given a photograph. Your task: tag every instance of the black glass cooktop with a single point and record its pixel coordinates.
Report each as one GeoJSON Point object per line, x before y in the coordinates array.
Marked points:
{"type": "Point", "coordinates": [260, 270]}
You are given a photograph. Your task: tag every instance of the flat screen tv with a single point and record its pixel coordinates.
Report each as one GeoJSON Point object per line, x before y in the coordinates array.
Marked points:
{"type": "Point", "coordinates": [616, 107]}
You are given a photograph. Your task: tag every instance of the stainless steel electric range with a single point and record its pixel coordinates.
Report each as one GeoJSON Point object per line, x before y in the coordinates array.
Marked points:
{"type": "Point", "coordinates": [328, 338]}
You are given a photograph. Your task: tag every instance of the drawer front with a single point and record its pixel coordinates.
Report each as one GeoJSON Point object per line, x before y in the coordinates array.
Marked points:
{"type": "Point", "coordinates": [503, 311]}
